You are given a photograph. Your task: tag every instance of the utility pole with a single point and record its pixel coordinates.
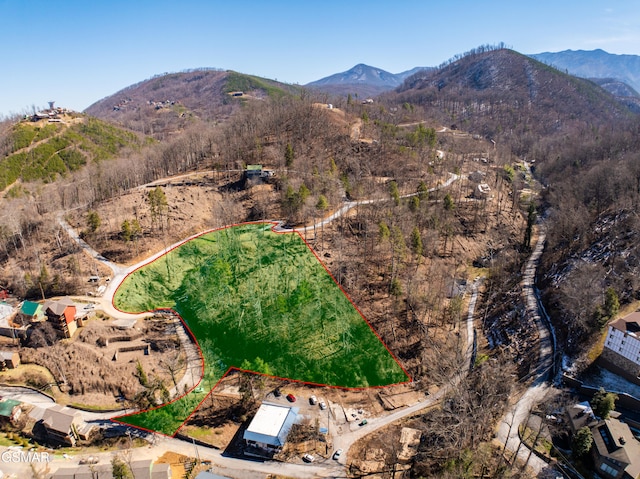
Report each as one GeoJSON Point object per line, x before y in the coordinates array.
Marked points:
{"type": "Point", "coordinates": [196, 448]}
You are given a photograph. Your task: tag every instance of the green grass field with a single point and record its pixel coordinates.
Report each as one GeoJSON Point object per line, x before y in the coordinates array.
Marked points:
{"type": "Point", "coordinates": [259, 301]}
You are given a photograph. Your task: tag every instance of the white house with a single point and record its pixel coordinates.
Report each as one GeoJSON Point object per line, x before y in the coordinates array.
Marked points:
{"type": "Point", "coordinates": [622, 345]}
{"type": "Point", "coordinates": [269, 429]}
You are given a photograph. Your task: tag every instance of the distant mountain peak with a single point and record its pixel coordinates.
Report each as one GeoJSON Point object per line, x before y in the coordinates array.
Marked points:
{"type": "Point", "coordinates": [361, 73]}
{"type": "Point", "coordinates": [595, 64]}
{"type": "Point", "coordinates": [365, 80]}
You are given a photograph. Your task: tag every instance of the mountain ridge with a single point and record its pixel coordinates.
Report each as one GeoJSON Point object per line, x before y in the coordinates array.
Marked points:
{"type": "Point", "coordinates": [170, 102]}
{"type": "Point", "coordinates": [503, 93]}
{"type": "Point", "coordinates": [595, 64]}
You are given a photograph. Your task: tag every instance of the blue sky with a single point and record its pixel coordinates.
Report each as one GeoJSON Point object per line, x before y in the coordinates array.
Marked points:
{"type": "Point", "coordinates": [77, 52]}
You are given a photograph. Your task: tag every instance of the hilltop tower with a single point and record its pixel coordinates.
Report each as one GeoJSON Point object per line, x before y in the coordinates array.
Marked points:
{"type": "Point", "coordinates": [51, 106]}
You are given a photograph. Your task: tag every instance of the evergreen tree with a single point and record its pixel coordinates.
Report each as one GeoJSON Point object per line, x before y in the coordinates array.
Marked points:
{"type": "Point", "coordinates": [414, 204]}
{"type": "Point", "coordinates": [383, 231]}
{"type": "Point", "coordinates": [611, 303]}
{"type": "Point", "coordinates": [449, 205]}
{"type": "Point", "coordinates": [125, 230]}
{"type": "Point", "coordinates": [423, 191]}
{"type": "Point", "coordinates": [395, 288]}
{"type": "Point", "coordinates": [603, 403]}
{"type": "Point", "coordinates": [93, 221]}
{"type": "Point", "coordinates": [157, 204]}
{"type": "Point", "coordinates": [322, 203]}
{"type": "Point", "coordinates": [303, 193]}
{"type": "Point", "coordinates": [582, 441]}
{"type": "Point", "coordinates": [416, 241]}
{"type": "Point", "coordinates": [288, 155]}
{"type": "Point", "coordinates": [393, 191]}
{"type": "Point", "coordinates": [531, 221]}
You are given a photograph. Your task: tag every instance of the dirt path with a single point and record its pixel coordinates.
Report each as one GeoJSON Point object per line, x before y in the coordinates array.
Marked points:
{"type": "Point", "coordinates": [507, 432]}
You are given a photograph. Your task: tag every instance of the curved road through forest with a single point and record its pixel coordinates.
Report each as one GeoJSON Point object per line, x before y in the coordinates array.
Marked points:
{"type": "Point", "coordinates": [327, 469]}
{"type": "Point", "coordinates": [249, 469]}
{"type": "Point", "coordinates": [518, 415]}
{"type": "Point", "coordinates": [507, 435]}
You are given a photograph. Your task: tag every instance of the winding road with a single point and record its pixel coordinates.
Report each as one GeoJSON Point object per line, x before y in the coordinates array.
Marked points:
{"type": "Point", "coordinates": [328, 468]}
{"type": "Point", "coordinates": [518, 415]}
{"type": "Point", "coordinates": [507, 435]}
{"type": "Point", "coordinates": [507, 432]}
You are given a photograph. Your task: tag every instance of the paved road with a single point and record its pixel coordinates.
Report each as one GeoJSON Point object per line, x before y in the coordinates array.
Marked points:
{"type": "Point", "coordinates": [535, 394]}
{"type": "Point", "coordinates": [240, 468]}
{"type": "Point", "coordinates": [36, 398]}
{"type": "Point", "coordinates": [26, 395]}
{"type": "Point", "coordinates": [243, 468]}
{"type": "Point", "coordinates": [281, 228]}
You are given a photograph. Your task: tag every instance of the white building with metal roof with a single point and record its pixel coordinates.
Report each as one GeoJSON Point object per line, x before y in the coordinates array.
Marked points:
{"type": "Point", "coordinates": [270, 427]}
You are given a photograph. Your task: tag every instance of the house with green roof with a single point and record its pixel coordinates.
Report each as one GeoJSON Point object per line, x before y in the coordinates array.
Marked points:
{"type": "Point", "coordinates": [31, 311]}
{"type": "Point", "coordinates": [10, 411]}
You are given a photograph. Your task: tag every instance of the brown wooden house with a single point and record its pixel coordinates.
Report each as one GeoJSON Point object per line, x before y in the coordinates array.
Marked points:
{"type": "Point", "coordinates": [62, 314]}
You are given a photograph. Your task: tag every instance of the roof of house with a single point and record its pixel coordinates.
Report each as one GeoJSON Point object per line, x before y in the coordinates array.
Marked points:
{"type": "Point", "coordinates": [55, 307]}
{"type": "Point", "coordinates": [58, 418]}
{"type": "Point", "coordinates": [93, 471]}
{"type": "Point", "coordinates": [160, 471]}
{"type": "Point", "coordinates": [254, 167]}
{"type": "Point", "coordinates": [271, 424]}
{"type": "Point", "coordinates": [6, 407]}
{"type": "Point", "coordinates": [36, 413]}
{"type": "Point", "coordinates": [580, 415]}
{"type": "Point", "coordinates": [59, 307]}
{"type": "Point", "coordinates": [141, 469]}
{"type": "Point", "coordinates": [613, 439]}
{"type": "Point", "coordinates": [30, 308]}
{"type": "Point", "coordinates": [7, 355]}
{"type": "Point", "coordinates": [210, 475]}
{"type": "Point", "coordinates": [630, 324]}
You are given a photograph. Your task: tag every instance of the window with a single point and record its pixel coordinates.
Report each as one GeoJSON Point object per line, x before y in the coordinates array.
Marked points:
{"type": "Point", "coordinates": [608, 469]}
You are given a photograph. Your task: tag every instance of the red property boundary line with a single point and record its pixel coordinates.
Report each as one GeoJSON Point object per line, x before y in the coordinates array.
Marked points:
{"type": "Point", "coordinates": [234, 368]}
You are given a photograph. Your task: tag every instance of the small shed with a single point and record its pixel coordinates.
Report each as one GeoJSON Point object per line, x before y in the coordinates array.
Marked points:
{"type": "Point", "coordinates": [9, 359]}
{"type": "Point", "coordinates": [482, 191]}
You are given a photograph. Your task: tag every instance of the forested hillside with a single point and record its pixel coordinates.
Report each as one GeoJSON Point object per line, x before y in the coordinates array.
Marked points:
{"type": "Point", "coordinates": [424, 233]}
{"type": "Point", "coordinates": [171, 102]}
{"type": "Point", "coordinates": [32, 151]}
{"type": "Point", "coordinates": [509, 97]}
{"type": "Point", "coordinates": [582, 144]}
